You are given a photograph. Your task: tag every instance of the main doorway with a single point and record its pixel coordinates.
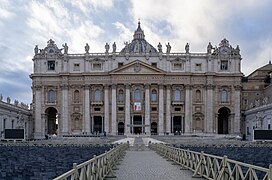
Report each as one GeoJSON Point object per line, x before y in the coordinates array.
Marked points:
{"type": "Point", "coordinates": [223, 120]}
{"type": "Point", "coordinates": [137, 124]}
{"type": "Point", "coordinates": [177, 125]}
{"type": "Point", "coordinates": [121, 128]}
{"type": "Point", "coordinates": [154, 128]}
{"type": "Point", "coordinates": [98, 125]}
{"type": "Point", "coordinates": [52, 120]}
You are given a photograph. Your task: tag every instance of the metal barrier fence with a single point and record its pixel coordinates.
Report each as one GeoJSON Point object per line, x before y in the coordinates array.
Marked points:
{"type": "Point", "coordinates": [212, 167]}
{"type": "Point", "coordinates": [99, 167]}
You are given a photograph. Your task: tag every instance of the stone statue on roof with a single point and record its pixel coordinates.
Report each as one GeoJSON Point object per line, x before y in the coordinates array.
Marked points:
{"type": "Point", "coordinates": [209, 48]}
{"type": "Point", "coordinates": [187, 48]}
{"type": "Point", "coordinates": [65, 47]}
{"type": "Point", "coordinates": [168, 48]}
{"type": "Point", "coordinates": [159, 47]}
{"type": "Point", "coordinates": [36, 50]}
{"type": "Point", "coordinates": [114, 47]}
{"type": "Point", "coordinates": [87, 48]}
{"type": "Point", "coordinates": [107, 47]}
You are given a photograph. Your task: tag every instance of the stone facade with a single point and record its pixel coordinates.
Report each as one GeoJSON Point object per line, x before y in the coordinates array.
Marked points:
{"type": "Point", "coordinates": [15, 116]}
{"type": "Point", "coordinates": [257, 100]}
{"type": "Point", "coordinates": [138, 90]}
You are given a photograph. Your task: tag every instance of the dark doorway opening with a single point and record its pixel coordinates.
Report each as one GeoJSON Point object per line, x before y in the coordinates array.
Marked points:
{"type": "Point", "coordinates": [223, 120]}
{"type": "Point", "coordinates": [154, 128]}
{"type": "Point", "coordinates": [52, 120]}
{"type": "Point", "coordinates": [98, 128]}
{"type": "Point", "coordinates": [177, 125]}
{"type": "Point", "coordinates": [137, 121]}
{"type": "Point", "coordinates": [121, 128]}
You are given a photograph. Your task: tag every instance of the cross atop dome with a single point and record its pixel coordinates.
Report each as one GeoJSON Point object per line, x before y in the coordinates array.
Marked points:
{"type": "Point", "coordinates": [139, 33]}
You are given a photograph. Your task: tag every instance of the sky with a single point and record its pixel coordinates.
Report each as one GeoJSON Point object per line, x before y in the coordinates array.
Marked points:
{"type": "Point", "coordinates": [24, 24]}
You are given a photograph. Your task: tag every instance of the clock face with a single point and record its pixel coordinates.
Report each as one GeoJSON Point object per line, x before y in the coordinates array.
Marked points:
{"type": "Point", "coordinates": [224, 50]}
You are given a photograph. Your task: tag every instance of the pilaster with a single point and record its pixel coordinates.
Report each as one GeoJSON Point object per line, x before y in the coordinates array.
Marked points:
{"type": "Point", "coordinates": [188, 112]}
{"type": "Point", "coordinates": [64, 109]}
{"type": "Point", "coordinates": [127, 110]}
{"type": "Point", "coordinates": [106, 110]}
{"type": "Point", "coordinates": [87, 119]}
{"type": "Point", "coordinates": [147, 109]}
{"type": "Point", "coordinates": [38, 113]}
{"type": "Point", "coordinates": [168, 109]}
{"type": "Point", "coordinates": [161, 111]}
{"type": "Point", "coordinates": [113, 110]}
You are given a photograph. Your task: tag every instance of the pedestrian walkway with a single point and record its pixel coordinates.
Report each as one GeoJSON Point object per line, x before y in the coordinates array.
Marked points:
{"type": "Point", "coordinates": [146, 164]}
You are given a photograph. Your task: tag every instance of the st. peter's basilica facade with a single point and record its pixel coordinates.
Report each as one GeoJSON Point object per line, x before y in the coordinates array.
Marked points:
{"type": "Point", "coordinates": [139, 90]}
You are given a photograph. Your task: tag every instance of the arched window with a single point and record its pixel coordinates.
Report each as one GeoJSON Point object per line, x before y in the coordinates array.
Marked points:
{"type": "Point", "coordinates": [76, 95]}
{"type": "Point", "coordinates": [97, 95]}
{"type": "Point", "coordinates": [121, 95]}
{"type": "Point", "coordinates": [51, 96]}
{"type": "Point", "coordinates": [177, 95]}
{"type": "Point", "coordinates": [137, 95]}
{"type": "Point", "coordinates": [153, 95]}
{"type": "Point", "coordinates": [224, 96]}
{"type": "Point", "coordinates": [198, 95]}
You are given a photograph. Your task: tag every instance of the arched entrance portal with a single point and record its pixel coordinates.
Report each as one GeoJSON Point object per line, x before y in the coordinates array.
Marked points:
{"type": "Point", "coordinates": [154, 128]}
{"type": "Point", "coordinates": [223, 120]}
{"type": "Point", "coordinates": [121, 128]}
{"type": "Point", "coordinates": [52, 120]}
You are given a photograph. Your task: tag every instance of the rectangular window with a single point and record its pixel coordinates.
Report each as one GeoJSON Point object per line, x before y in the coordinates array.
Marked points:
{"type": "Point", "coordinates": [269, 126]}
{"type": "Point", "coordinates": [198, 67]}
{"type": "Point", "coordinates": [51, 65]}
{"type": "Point", "coordinates": [96, 109]}
{"type": "Point", "coordinates": [76, 67]}
{"type": "Point", "coordinates": [120, 108]}
{"type": "Point", "coordinates": [154, 64]}
{"type": "Point", "coordinates": [177, 108]}
{"type": "Point", "coordinates": [97, 66]}
{"type": "Point", "coordinates": [177, 66]}
{"type": "Point", "coordinates": [120, 64]}
{"type": "Point", "coordinates": [224, 65]}
{"type": "Point", "coordinates": [4, 124]}
{"type": "Point", "coordinates": [154, 109]}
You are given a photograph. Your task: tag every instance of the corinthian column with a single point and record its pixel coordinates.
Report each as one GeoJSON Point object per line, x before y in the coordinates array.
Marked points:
{"type": "Point", "coordinates": [168, 109]}
{"type": "Point", "coordinates": [64, 109]}
{"type": "Point", "coordinates": [209, 109]}
{"type": "Point", "coordinates": [38, 113]}
{"type": "Point", "coordinates": [147, 109]}
{"type": "Point", "coordinates": [113, 110]}
{"type": "Point", "coordinates": [188, 113]}
{"type": "Point", "coordinates": [161, 111]}
{"type": "Point", "coordinates": [127, 110]}
{"type": "Point", "coordinates": [237, 111]}
{"type": "Point", "coordinates": [87, 119]}
{"type": "Point", "coordinates": [106, 110]}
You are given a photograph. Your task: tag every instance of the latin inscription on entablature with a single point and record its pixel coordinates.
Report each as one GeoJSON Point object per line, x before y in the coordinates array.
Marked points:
{"type": "Point", "coordinates": [76, 78]}
{"type": "Point", "coordinates": [198, 80]}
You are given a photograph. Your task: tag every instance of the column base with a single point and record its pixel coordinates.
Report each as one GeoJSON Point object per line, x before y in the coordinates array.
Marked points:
{"type": "Point", "coordinates": [38, 135]}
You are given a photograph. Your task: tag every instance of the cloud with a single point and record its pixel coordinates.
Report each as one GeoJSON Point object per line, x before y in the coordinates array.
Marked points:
{"type": "Point", "coordinates": [5, 10]}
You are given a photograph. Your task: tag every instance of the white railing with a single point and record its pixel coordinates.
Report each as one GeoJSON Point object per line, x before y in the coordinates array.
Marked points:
{"type": "Point", "coordinates": [212, 167]}
{"type": "Point", "coordinates": [99, 167]}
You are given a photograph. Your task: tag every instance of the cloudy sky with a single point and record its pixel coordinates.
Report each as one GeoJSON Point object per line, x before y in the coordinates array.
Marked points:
{"type": "Point", "coordinates": [24, 24]}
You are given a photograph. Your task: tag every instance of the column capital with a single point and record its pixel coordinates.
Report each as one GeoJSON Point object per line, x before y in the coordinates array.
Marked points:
{"type": "Point", "coordinates": [106, 86]}
{"type": "Point", "coordinates": [113, 86]}
{"type": "Point", "coordinates": [188, 86]}
{"type": "Point", "coordinates": [147, 86]}
{"type": "Point", "coordinates": [237, 87]}
{"type": "Point", "coordinates": [37, 87]}
{"type": "Point", "coordinates": [64, 86]}
{"type": "Point", "coordinates": [210, 86]}
{"type": "Point", "coordinates": [127, 86]}
{"type": "Point", "coordinates": [86, 86]}
{"type": "Point", "coordinates": [160, 86]}
{"type": "Point", "coordinates": [168, 86]}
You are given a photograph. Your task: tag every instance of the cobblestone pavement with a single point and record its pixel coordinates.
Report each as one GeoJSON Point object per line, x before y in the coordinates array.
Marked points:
{"type": "Point", "coordinates": [148, 165]}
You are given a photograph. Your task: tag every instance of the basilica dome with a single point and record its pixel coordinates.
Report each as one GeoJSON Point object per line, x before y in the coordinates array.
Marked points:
{"type": "Point", "coordinates": [138, 44]}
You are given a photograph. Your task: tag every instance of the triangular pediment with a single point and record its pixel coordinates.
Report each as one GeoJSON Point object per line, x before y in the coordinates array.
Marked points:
{"type": "Point", "coordinates": [137, 67]}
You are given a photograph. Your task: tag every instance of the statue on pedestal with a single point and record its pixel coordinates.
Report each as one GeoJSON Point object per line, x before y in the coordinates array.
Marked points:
{"type": "Point", "coordinates": [209, 48]}
{"type": "Point", "coordinates": [168, 48]}
{"type": "Point", "coordinates": [114, 47]}
{"type": "Point", "coordinates": [36, 50]}
{"type": "Point", "coordinates": [107, 47]}
{"type": "Point", "coordinates": [187, 48]}
{"type": "Point", "coordinates": [65, 47]}
{"type": "Point", "coordinates": [87, 48]}
{"type": "Point", "coordinates": [159, 47]}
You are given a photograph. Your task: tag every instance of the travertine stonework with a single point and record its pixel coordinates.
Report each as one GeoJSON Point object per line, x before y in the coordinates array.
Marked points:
{"type": "Point", "coordinates": [138, 90]}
